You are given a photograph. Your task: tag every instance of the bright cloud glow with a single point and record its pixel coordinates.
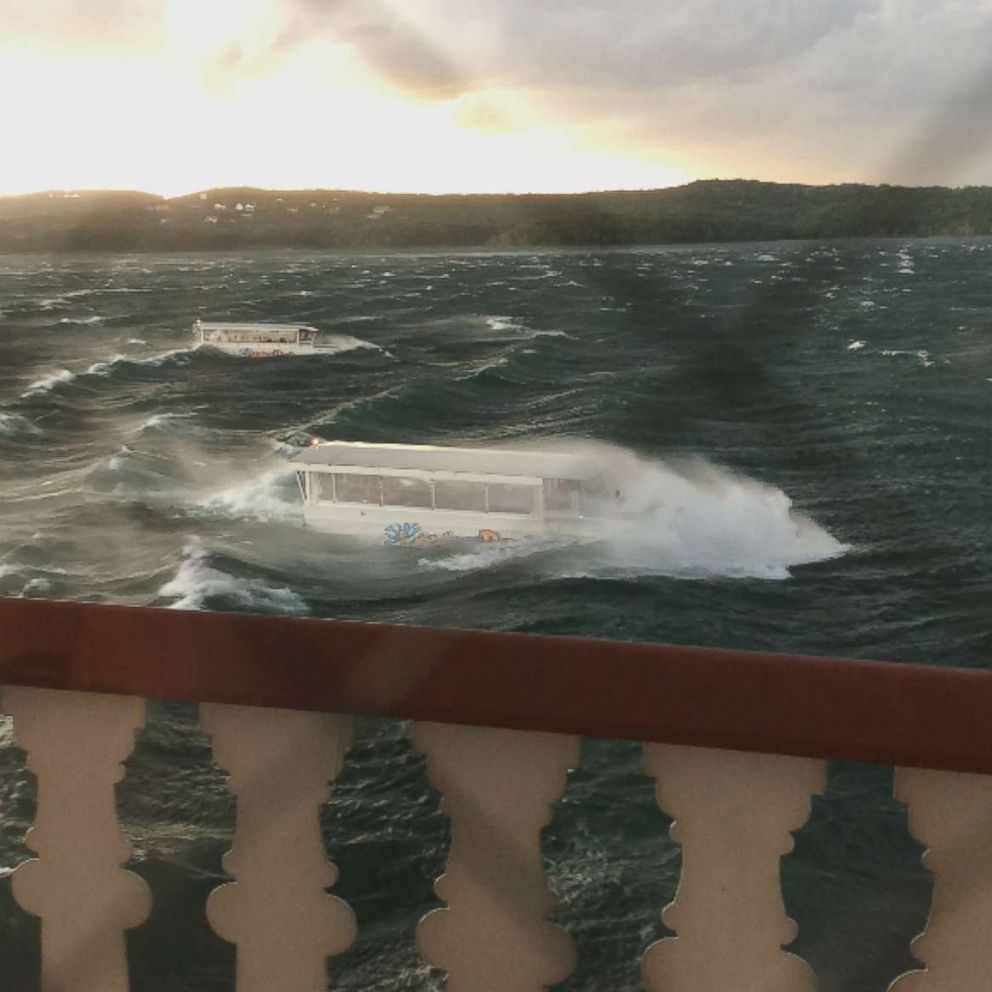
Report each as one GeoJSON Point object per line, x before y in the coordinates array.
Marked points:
{"type": "Point", "coordinates": [212, 106]}
{"type": "Point", "coordinates": [500, 95]}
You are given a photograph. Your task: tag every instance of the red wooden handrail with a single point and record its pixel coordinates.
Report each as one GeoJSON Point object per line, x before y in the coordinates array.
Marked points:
{"type": "Point", "coordinates": [881, 712]}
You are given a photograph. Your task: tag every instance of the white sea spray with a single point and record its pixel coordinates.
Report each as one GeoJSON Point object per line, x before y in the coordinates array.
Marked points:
{"type": "Point", "coordinates": [196, 582]}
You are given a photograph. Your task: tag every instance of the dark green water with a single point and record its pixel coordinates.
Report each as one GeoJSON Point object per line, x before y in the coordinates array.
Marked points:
{"type": "Point", "coordinates": [854, 379]}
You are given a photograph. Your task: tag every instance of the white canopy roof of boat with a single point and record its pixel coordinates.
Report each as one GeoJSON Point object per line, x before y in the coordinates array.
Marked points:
{"type": "Point", "coordinates": [261, 328]}
{"type": "Point", "coordinates": [432, 458]}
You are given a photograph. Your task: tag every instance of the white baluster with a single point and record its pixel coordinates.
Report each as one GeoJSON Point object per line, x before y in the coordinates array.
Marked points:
{"type": "Point", "coordinates": [75, 743]}
{"type": "Point", "coordinates": [951, 812]}
{"type": "Point", "coordinates": [733, 814]}
{"type": "Point", "coordinates": [278, 912]}
{"type": "Point", "coordinates": [498, 786]}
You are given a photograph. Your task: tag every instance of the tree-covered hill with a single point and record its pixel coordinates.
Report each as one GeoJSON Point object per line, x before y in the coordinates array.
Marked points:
{"type": "Point", "coordinates": [712, 210]}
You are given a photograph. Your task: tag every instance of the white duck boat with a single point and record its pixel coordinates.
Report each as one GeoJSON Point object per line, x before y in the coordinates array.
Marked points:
{"type": "Point", "coordinates": [417, 494]}
{"type": "Point", "coordinates": [260, 340]}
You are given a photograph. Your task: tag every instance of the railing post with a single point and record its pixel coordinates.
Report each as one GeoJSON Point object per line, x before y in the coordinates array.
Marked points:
{"type": "Point", "coordinates": [733, 815]}
{"type": "Point", "coordinates": [75, 743]}
{"type": "Point", "coordinates": [498, 786]}
{"type": "Point", "coordinates": [278, 912]}
{"type": "Point", "coordinates": [951, 812]}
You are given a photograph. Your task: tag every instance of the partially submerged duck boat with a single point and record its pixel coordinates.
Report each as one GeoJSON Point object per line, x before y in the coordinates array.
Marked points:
{"type": "Point", "coordinates": [258, 340]}
{"type": "Point", "coordinates": [417, 494]}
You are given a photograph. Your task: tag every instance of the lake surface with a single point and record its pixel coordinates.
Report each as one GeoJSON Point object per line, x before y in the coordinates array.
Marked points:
{"type": "Point", "coordinates": [812, 421]}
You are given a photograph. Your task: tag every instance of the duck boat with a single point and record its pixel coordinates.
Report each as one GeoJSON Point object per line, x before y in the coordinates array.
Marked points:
{"type": "Point", "coordinates": [404, 494]}
{"type": "Point", "coordinates": [259, 340]}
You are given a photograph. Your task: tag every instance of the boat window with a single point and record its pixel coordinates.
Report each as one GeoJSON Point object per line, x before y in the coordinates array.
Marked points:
{"type": "Point", "coordinates": [454, 495]}
{"type": "Point", "coordinates": [562, 495]}
{"type": "Point", "coordinates": [325, 485]}
{"type": "Point", "coordinates": [597, 497]}
{"type": "Point", "coordinates": [357, 488]}
{"type": "Point", "coordinates": [508, 498]}
{"type": "Point", "coordinates": [399, 490]}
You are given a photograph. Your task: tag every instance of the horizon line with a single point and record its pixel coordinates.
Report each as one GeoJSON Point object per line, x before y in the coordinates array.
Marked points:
{"type": "Point", "coordinates": [70, 192]}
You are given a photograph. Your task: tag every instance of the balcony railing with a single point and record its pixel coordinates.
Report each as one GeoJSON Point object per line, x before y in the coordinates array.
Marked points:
{"type": "Point", "coordinates": [736, 742]}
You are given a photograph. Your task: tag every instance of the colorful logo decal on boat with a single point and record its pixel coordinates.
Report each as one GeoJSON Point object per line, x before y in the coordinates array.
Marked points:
{"type": "Point", "coordinates": [410, 535]}
{"type": "Point", "coordinates": [405, 533]}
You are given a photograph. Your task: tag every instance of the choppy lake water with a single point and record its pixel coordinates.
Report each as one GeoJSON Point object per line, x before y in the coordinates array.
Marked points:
{"type": "Point", "coordinates": [847, 385]}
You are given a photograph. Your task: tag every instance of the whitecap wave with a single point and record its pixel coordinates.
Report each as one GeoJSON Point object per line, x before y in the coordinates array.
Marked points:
{"type": "Point", "coordinates": [334, 344]}
{"type": "Point", "coordinates": [48, 382]}
{"type": "Point", "coordinates": [14, 423]}
{"type": "Point", "coordinates": [83, 321]}
{"type": "Point", "coordinates": [265, 497]}
{"type": "Point", "coordinates": [502, 324]}
{"type": "Point", "coordinates": [196, 582]}
{"type": "Point", "coordinates": [158, 421]}
{"type": "Point", "coordinates": [106, 367]}
{"type": "Point", "coordinates": [177, 354]}
{"type": "Point", "coordinates": [111, 463]}
{"type": "Point", "coordinates": [922, 355]}
{"type": "Point", "coordinates": [520, 330]}
{"type": "Point", "coordinates": [486, 365]}
{"type": "Point", "coordinates": [856, 345]}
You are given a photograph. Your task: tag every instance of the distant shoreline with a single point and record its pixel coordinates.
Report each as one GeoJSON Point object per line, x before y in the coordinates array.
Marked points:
{"type": "Point", "coordinates": [242, 219]}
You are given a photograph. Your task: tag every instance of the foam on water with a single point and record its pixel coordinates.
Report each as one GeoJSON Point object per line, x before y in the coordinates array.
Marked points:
{"type": "Point", "coordinates": [197, 582]}
{"type": "Point", "coordinates": [683, 519]}
{"type": "Point", "coordinates": [699, 519]}
{"type": "Point", "coordinates": [493, 555]}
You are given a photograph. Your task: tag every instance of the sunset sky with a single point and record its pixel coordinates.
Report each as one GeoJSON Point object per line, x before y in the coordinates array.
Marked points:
{"type": "Point", "coordinates": [172, 96]}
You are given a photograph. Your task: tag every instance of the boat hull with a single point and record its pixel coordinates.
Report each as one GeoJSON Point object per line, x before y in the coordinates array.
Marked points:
{"type": "Point", "coordinates": [265, 349]}
{"type": "Point", "coordinates": [403, 526]}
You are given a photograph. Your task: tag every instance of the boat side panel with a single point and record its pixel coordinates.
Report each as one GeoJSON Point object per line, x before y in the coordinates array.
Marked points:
{"type": "Point", "coordinates": [407, 525]}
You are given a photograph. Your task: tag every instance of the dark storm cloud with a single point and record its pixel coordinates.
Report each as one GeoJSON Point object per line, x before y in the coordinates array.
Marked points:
{"type": "Point", "coordinates": [443, 47]}
{"type": "Point", "coordinates": [409, 59]}
{"type": "Point", "coordinates": [637, 43]}
{"type": "Point", "coordinates": [818, 89]}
